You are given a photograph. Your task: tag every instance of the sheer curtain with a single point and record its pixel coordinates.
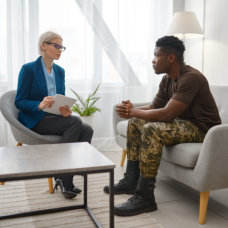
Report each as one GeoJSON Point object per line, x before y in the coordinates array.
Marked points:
{"type": "Point", "coordinates": [108, 42]}
{"type": "Point", "coordinates": [17, 47]}
{"type": "Point", "coordinates": [12, 43]}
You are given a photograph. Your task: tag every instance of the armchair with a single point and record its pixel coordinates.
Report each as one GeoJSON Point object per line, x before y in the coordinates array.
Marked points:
{"type": "Point", "coordinates": [202, 166]}
{"type": "Point", "coordinates": [22, 134]}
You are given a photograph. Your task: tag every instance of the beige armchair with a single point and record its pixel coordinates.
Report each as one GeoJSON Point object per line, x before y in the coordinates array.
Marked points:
{"type": "Point", "coordinates": [202, 166]}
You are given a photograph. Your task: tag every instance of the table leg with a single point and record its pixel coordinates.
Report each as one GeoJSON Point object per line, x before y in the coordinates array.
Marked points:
{"type": "Point", "coordinates": [85, 190]}
{"type": "Point", "coordinates": [111, 198]}
{"type": "Point", "coordinates": [90, 213]}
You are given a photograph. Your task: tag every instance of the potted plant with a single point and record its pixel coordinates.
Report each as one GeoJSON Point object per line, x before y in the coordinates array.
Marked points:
{"type": "Point", "coordinates": [86, 108]}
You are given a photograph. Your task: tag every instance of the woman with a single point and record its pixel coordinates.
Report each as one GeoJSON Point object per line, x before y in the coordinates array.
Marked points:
{"type": "Point", "coordinates": [38, 82]}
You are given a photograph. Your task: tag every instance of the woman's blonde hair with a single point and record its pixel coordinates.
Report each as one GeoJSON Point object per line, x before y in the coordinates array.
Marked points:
{"type": "Point", "coordinates": [47, 37]}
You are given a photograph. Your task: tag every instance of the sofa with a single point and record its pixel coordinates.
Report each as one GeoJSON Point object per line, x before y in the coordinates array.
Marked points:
{"type": "Point", "coordinates": [202, 166]}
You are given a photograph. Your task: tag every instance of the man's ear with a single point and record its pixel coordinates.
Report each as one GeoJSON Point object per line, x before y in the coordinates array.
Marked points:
{"type": "Point", "coordinates": [171, 57]}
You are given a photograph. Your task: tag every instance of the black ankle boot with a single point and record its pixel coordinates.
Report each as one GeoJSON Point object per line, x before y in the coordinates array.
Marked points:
{"type": "Point", "coordinates": [128, 184]}
{"type": "Point", "coordinates": [76, 189]}
{"type": "Point", "coordinates": [142, 201]}
{"type": "Point", "coordinates": [67, 193]}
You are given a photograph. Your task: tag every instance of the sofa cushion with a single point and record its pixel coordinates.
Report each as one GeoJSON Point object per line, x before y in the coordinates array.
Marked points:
{"type": "Point", "coordinates": [184, 154]}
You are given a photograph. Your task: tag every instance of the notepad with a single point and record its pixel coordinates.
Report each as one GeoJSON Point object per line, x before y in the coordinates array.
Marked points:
{"type": "Point", "coordinates": [60, 100]}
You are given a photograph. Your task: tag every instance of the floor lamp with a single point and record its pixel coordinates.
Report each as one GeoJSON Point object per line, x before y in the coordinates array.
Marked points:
{"type": "Point", "coordinates": [185, 25]}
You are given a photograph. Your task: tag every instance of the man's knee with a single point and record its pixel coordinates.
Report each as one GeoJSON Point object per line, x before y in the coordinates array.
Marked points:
{"type": "Point", "coordinates": [134, 121]}
{"type": "Point", "coordinates": [150, 128]}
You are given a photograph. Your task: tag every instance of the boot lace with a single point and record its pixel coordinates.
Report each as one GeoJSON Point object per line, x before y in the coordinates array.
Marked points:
{"type": "Point", "coordinates": [133, 198]}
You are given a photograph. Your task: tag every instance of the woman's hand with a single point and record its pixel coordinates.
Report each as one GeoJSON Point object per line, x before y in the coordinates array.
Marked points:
{"type": "Point", "coordinates": [65, 110]}
{"type": "Point", "coordinates": [47, 102]}
{"type": "Point", "coordinates": [125, 109]}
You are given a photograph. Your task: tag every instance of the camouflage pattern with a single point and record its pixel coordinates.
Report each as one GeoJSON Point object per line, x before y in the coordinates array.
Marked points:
{"type": "Point", "coordinates": [146, 139]}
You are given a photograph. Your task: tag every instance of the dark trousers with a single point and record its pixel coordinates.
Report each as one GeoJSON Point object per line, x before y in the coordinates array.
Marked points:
{"type": "Point", "coordinates": [71, 128]}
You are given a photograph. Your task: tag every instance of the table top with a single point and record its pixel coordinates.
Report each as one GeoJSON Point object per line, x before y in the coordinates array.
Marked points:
{"type": "Point", "coordinates": [51, 159]}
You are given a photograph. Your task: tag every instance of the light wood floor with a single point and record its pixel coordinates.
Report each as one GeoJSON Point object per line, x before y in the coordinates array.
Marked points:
{"type": "Point", "coordinates": [19, 196]}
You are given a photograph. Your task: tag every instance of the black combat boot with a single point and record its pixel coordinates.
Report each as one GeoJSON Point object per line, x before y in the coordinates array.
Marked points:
{"type": "Point", "coordinates": [128, 184]}
{"type": "Point", "coordinates": [142, 201]}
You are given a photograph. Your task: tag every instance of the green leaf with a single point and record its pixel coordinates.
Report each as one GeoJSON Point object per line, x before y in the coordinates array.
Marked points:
{"type": "Point", "coordinates": [86, 107]}
{"type": "Point", "coordinates": [95, 90]}
{"type": "Point", "coordinates": [79, 98]}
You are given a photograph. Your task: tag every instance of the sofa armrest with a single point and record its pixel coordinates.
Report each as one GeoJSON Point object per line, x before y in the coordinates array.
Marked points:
{"type": "Point", "coordinates": [212, 166]}
{"type": "Point", "coordinates": [116, 118]}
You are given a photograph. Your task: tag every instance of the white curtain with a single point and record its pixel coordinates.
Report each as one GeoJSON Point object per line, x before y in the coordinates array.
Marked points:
{"type": "Point", "coordinates": [12, 41]}
{"type": "Point", "coordinates": [111, 42]}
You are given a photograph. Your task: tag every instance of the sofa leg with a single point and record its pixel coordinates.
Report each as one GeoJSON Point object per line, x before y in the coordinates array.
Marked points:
{"type": "Point", "coordinates": [204, 196]}
{"type": "Point", "coordinates": [124, 153]}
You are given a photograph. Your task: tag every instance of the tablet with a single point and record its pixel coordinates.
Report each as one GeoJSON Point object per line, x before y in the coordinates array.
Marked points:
{"type": "Point", "coordinates": [60, 100]}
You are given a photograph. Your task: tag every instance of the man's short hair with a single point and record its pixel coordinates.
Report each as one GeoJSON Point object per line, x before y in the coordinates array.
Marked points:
{"type": "Point", "coordinates": [172, 45]}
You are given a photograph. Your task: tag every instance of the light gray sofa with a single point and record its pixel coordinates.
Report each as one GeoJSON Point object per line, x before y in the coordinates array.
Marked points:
{"type": "Point", "coordinates": [202, 166]}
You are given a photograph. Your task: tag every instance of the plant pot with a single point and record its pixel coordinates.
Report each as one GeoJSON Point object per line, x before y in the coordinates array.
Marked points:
{"type": "Point", "coordinates": [88, 120]}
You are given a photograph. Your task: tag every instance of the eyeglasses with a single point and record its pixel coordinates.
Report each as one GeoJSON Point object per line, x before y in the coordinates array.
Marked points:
{"type": "Point", "coordinates": [57, 46]}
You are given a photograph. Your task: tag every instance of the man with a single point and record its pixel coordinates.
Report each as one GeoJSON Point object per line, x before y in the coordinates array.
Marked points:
{"type": "Point", "coordinates": [182, 112]}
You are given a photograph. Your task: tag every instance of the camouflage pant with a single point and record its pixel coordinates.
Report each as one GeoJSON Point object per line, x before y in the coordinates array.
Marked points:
{"type": "Point", "coordinates": [146, 139]}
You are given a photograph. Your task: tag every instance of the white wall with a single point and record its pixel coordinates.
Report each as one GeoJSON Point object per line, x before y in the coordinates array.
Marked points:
{"type": "Point", "coordinates": [194, 46]}
{"type": "Point", "coordinates": [215, 40]}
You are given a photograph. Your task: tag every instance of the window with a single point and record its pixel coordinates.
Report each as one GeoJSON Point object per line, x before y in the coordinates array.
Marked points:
{"type": "Point", "coordinates": [84, 59]}
{"type": "Point", "coordinates": [77, 36]}
{"type": "Point", "coordinates": [129, 22]}
{"type": "Point", "coordinates": [133, 23]}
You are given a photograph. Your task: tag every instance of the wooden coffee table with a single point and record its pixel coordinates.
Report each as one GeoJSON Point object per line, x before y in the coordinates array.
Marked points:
{"type": "Point", "coordinates": [52, 160]}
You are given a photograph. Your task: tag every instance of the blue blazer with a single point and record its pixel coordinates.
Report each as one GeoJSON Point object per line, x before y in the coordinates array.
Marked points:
{"type": "Point", "coordinates": [31, 90]}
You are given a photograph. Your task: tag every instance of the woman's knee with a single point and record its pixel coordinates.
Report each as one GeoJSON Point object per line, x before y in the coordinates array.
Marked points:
{"type": "Point", "coordinates": [75, 121]}
{"type": "Point", "coordinates": [88, 129]}
{"type": "Point", "coordinates": [86, 133]}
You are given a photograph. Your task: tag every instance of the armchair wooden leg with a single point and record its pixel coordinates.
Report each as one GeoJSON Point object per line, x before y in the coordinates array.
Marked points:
{"type": "Point", "coordinates": [124, 153]}
{"type": "Point", "coordinates": [19, 144]}
{"type": "Point", "coordinates": [50, 183]}
{"type": "Point", "coordinates": [204, 196]}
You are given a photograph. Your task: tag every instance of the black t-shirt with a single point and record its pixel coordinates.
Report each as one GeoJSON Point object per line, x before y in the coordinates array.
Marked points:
{"type": "Point", "coordinates": [191, 88]}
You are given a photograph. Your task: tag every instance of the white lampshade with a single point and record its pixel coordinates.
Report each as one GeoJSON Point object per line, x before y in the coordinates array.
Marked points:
{"type": "Point", "coordinates": [184, 24]}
